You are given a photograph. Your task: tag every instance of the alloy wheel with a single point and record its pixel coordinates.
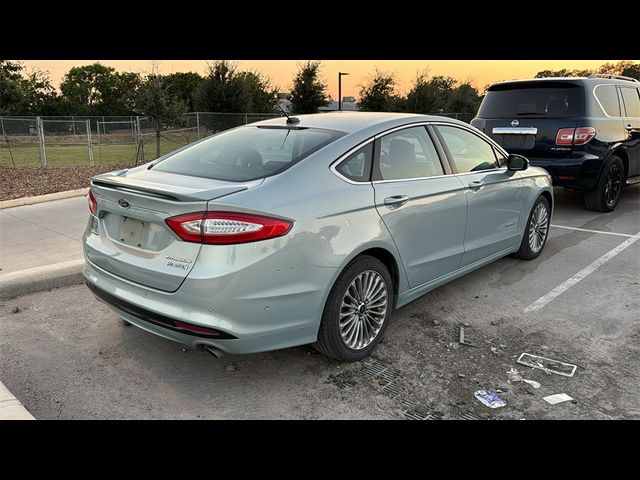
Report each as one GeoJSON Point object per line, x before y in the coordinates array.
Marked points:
{"type": "Point", "coordinates": [363, 309]}
{"type": "Point", "coordinates": [538, 227]}
{"type": "Point", "coordinates": [612, 187]}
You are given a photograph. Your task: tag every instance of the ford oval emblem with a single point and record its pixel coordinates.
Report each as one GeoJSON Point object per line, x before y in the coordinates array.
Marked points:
{"type": "Point", "coordinates": [515, 123]}
{"type": "Point", "coordinates": [123, 203]}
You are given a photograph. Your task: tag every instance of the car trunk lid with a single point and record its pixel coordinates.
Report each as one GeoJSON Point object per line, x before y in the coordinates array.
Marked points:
{"type": "Point", "coordinates": [133, 241]}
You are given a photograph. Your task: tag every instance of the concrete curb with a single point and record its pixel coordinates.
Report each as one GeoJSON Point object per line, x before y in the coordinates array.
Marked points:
{"type": "Point", "coordinates": [18, 202]}
{"type": "Point", "coordinates": [37, 279]}
{"type": "Point", "coordinates": [10, 406]}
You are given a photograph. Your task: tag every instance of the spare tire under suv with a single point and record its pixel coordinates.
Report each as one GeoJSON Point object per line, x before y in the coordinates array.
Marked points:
{"type": "Point", "coordinates": [584, 131]}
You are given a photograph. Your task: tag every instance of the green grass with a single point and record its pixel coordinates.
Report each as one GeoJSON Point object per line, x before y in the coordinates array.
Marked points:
{"type": "Point", "coordinates": [65, 155]}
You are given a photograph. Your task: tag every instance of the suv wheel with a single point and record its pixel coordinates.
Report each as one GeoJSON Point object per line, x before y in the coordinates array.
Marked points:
{"type": "Point", "coordinates": [357, 310]}
{"type": "Point", "coordinates": [605, 195]}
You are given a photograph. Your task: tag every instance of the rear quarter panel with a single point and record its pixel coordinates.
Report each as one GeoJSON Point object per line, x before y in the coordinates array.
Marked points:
{"type": "Point", "coordinates": [334, 220]}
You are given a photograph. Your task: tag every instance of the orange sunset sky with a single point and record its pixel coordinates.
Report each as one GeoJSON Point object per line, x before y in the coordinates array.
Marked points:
{"type": "Point", "coordinates": [480, 72]}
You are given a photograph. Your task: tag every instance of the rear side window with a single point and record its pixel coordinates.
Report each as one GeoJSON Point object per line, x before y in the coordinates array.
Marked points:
{"type": "Point", "coordinates": [357, 166]}
{"type": "Point", "coordinates": [406, 154]}
{"type": "Point", "coordinates": [470, 153]}
{"type": "Point", "coordinates": [534, 101]}
{"type": "Point", "coordinates": [608, 98]}
{"type": "Point", "coordinates": [247, 153]}
{"type": "Point", "coordinates": [631, 101]}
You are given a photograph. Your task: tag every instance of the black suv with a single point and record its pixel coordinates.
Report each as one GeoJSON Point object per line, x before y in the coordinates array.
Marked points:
{"type": "Point", "coordinates": [584, 131]}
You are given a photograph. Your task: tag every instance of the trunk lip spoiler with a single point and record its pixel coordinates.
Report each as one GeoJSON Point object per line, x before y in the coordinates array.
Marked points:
{"type": "Point", "coordinates": [136, 187]}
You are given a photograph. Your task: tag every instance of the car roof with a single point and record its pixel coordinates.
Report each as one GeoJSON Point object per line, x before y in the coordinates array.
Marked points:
{"type": "Point", "coordinates": [350, 122]}
{"type": "Point", "coordinates": [596, 80]}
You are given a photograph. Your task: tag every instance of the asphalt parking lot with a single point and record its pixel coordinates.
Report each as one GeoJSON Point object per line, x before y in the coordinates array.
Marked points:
{"type": "Point", "coordinates": [65, 355]}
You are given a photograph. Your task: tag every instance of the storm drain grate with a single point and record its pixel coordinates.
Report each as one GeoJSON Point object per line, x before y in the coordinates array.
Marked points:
{"type": "Point", "coordinates": [344, 384]}
{"type": "Point", "coordinates": [469, 416]}
{"type": "Point", "coordinates": [374, 367]}
{"type": "Point", "coordinates": [388, 379]}
{"type": "Point", "coordinates": [418, 415]}
{"type": "Point", "coordinates": [391, 388]}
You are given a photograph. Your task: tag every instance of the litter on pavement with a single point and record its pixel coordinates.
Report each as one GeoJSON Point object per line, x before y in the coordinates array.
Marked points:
{"type": "Point", "coordinates": [547, 364]}
{"type": "Point", "coordinates": [557, 398]}
{"type": "Point", "coordinates": [489, 398]}
{"type": "Point", "coordinates": [463, 341]}
{"type": "Point", "coordinates": [514, 376]}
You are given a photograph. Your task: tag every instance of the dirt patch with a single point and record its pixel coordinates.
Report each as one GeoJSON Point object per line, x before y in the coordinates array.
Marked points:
{"type": "Point", "coordinates": [18, 182]}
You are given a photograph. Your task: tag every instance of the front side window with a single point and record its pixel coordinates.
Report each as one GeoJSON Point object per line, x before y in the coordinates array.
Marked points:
{"type": "Point", "coordinates": [608, 98]}
{"type": "Point", "coordinates": [631, 101]}
{"type": "Point", "coordinates": [247, 153]}
{"type": "Point", "coordinates": [469, 152]}
{"type": "Point", "coordinates": [357, 166]}
{"type": "Point", "coordinates": [406, 154]}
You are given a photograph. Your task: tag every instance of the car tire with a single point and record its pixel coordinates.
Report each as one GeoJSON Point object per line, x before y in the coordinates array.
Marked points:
{"type": "Point", "coordinates": [538, 222]}
{"type": "Point", "coordinates": [606, 194]}
{"type": "Point", "coordinates": [350, 329]}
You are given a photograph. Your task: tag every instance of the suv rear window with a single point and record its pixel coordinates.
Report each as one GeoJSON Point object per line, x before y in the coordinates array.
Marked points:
{"type": "Point", "coordinates": [247, 153]}
{"type": "Point", "coordinates": [533, 100]}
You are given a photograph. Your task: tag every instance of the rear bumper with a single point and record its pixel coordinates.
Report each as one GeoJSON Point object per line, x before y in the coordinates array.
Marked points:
{"type": "Point", "coordinates": [251, 313]}
{"type": "Point", "coordinates": [579, 172]}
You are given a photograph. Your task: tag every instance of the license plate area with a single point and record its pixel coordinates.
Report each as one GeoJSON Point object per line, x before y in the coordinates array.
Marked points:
{"type": "Point", "coordinates": [133, 232]}
{"type": "Point", "coordinates": [519, 142]}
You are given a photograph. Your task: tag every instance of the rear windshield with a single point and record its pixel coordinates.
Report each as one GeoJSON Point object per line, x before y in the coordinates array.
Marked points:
{"type": "Point", "coordinates": [539, 101]}
{"type": "Point", "coordinates": [247, 153]}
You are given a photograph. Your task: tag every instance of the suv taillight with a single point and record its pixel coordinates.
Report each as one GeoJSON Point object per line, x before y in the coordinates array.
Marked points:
{"type": "Point", "coordinates": [224, 228]}
{"type": "Point", "coordinates": [575, 136]}
{"type": "Point", "coordinates": [93, 204]}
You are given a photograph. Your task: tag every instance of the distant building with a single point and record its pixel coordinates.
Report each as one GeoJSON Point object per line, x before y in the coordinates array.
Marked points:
{"type": "Point", "coordinates": [348, 104]}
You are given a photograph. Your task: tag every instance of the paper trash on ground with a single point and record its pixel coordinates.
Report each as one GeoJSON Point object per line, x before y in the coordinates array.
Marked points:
{"type": "Point", "coordinates": [557, 398]}
{"type": "Point", "coordinates": [514, 376]}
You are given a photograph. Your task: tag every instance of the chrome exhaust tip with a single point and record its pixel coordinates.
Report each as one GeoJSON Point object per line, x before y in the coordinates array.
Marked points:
{"type": "Point", "coordinates": [214, 351]}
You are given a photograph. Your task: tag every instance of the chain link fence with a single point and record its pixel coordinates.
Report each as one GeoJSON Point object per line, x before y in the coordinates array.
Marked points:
{"type": "Point", "coordinates": [104, 140]}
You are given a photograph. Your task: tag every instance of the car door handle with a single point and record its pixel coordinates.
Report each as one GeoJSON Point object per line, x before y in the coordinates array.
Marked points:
{"type": "Point", "coordinates": [476, 184]}
{"type": "Point", "coordinates": [396, 201]}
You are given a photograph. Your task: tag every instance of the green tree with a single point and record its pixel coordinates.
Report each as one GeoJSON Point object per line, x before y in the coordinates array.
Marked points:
{"type": "Point", "coordinates": [632, 71]}
{"type": "Point", "coordinates": [625, 68]}
{"type": "Point", "coordinates": [38, 96]}
{"type": "Point", "coordinates": [165, 109]}
{"type": "Point", "coordinates": [309, 91]}
{"type": "Point", "coordinates": [564, 73]}
{"type": "Point", "coordinates": [98, 90]}
{"type": "Point", "coordinates": [429, 95]}
{"type": "Point", "coordinates": [463, 99]}
{"type": "Point", "coordinates": [10, 93]}
{"type": "Point", "coordinates": [184, 85]}
{"type": "Point", "coordinates": [378, 94]}
{"type": "Point", "coordinates": [222, 90]}
{"type": "Point", "coordinates": [260, 91]}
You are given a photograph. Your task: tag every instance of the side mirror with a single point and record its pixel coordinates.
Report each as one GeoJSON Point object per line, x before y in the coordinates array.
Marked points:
{"type": "Point", "coordinates": [517, 163]}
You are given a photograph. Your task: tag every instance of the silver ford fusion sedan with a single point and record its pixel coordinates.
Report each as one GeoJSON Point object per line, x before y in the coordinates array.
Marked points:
{"type": "Point", "coordinates": [307, 230]}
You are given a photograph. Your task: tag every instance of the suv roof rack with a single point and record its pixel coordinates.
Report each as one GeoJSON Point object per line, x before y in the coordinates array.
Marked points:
{"type": "Point", "coordinates": [617, 77]}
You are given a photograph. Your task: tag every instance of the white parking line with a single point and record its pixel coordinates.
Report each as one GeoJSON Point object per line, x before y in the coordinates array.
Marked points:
{"type": "Point", "coordinates": [592, 231]}
{"type": "Point", "coordinates": [567, 284]}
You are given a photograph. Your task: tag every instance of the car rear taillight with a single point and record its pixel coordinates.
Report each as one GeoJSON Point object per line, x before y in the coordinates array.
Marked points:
{"type": "Point", "coordinates": [224, 228]}
{"type": "Point", "coordinates": [575, 136]}
{"type": "Point", "coordinates": [583, 135]}
{"type": "Point", "coordinates": [93, 204]}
